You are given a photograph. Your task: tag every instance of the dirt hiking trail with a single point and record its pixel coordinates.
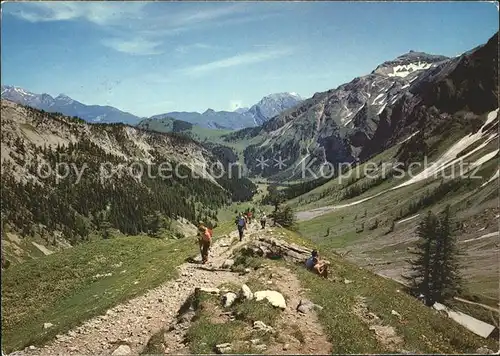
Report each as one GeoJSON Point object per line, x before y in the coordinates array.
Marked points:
{"type": "Point", "coordinates": [130, 325]}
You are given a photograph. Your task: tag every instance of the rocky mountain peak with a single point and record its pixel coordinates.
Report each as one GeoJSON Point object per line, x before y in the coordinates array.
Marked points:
{"type": "Point", "coordinates": [408, 63]}
{"type": "Point", "coordinates": [64, 98]}
{"type": "Point", "coordinates": [272, 105]}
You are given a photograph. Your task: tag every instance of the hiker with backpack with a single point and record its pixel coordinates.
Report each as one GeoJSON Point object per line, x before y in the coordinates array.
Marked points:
{"type": "Point", "coordinates": [249, 216]}
{"type": "Point", "coordinates": [204, 240]}
{"type": "Point", "coordinates": [241, 223]}
{"type": "Point", "coordinates": [263, 220]}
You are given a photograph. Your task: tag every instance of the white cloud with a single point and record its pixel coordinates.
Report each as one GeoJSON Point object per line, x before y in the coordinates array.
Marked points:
{"type": "Point", "coordinates": [137, 46]}
{"type": "Point", "coordinates": [238, 60]}
{"type": "Point", "coordinates": [101, 13]}
{"type": "Point", "coordinates": [147, 22]}
{"type": "Point", "coordinates": [201, 14]}
{"type": "Point", "coordinates": [133, 14]}
{"type": "Point", "coordinates": [188, 48]}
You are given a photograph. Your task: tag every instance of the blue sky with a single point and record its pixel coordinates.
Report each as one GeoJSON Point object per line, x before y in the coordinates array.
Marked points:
{"type": "Point", "coordinates": [153, 57]}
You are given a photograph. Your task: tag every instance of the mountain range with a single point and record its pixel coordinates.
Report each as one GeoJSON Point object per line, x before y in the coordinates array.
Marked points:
{"type": "Point", "coordinates": [68, 106]}
{"type": "Point", "coordinates": [266, 108]}
{"type": "Point", "coordinates": [368, 114]}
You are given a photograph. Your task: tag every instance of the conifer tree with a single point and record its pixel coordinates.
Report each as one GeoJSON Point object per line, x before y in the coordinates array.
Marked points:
{"type": "Point", "coordinates": [435, 272]}
{"type": "Point", "coordinates": [448, 278]}
{"type": "Point", "coordinates": [422, 265]}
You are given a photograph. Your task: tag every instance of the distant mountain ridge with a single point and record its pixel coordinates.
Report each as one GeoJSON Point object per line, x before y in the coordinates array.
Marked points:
{"type": "Point", "coordinates": [269, 106]}
{"type": "Point", "coordinates": [68, 106]}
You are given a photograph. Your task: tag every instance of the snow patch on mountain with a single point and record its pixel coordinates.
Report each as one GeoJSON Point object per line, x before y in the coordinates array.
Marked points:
{"type": "Point", "coordinates": [449, 157]}
{"type": "Point", "coordinates": [381, 109]}
{"type": "Point", "coordinates": [378, 97]}
{"type": "Point", "coordinates": [404, 70]}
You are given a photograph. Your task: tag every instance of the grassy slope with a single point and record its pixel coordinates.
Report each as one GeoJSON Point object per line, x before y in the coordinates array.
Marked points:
{"type": "Point", "coordinates": [196, 132]}
{"type": "Point", "coordinates": [62, 289]}
{"type": "Point", "coordinates": [340, 229]}
{"type": "Point", "coordinates": [212, 135]}
{"type": "Point", "coordinates": [422, 328]}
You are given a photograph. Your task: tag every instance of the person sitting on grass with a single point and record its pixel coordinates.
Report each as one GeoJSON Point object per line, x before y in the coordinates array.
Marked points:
{"type": "Point", "coordinates": [320, 267]}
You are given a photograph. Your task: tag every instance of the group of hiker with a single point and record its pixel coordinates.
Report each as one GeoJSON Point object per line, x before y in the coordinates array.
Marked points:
{"type": "Point", "coordinates": [205, 233]}
{"type": "Point", "coordinates": [244, 219]}
{"type": "Point", "coordinates": [313, 263]}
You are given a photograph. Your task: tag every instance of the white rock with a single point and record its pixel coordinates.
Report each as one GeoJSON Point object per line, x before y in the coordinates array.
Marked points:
{"type": "Point", "coordinates": [31, 347]}
{"type": "Point", "coordinates": [229, 299]}
{"type": "Point", "coordinates": [275, 298]}
{"type": "Point", "coordinates": [393, 312]}
{"type": "Point", "coordinates": [47, 325]}
{"type": "Point", "coordinates": [346, 281]}
{"type": "Point", "coordinates": [245, 292]}
{"type": "Point", "coordinates": [228, 263]}
{"type": "Point", "coordinates": [122, 350]}
{"type": "Point", "coordinates": [484, 351]}
{"type": "Point", "coordinates": [259, 325]}
{"type": "Point", "coordinates": [223, 348]}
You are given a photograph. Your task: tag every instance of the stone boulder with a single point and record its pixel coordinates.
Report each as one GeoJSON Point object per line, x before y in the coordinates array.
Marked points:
{"type": "Point", "coordinates": [122, 350]}
{"type": "Point", "coordinates": [228, 299]}
{"type": "Point", "coordinates": [270, 247]}
{"type": "Point", "coordinates": [228, 263]}
{"type": "Point", "coordinates": [276, 299]}
{"type": "Point", "coordinates": [245, 292]}
{"type": "Point", "coordinates": [260, 325]}
{"type": "Point", "coordinates": [223, 348]}
{"type": "Point", "coordinates": [305, 306]}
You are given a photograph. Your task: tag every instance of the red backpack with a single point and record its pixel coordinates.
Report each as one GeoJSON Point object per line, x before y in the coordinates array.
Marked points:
{"type": "Point", "coordinates": [207, 236]}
